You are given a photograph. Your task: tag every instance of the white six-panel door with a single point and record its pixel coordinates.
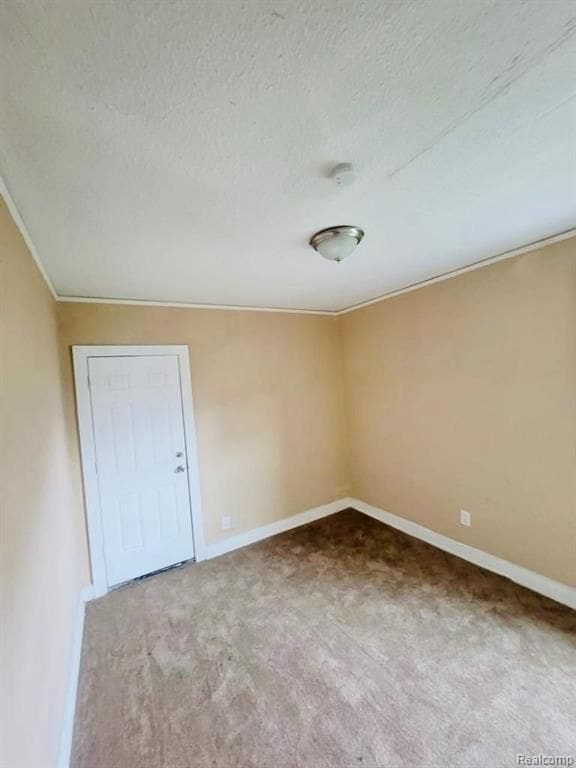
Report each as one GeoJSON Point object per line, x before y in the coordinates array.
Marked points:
{"type": "Point", "coordinates": [141, 463]}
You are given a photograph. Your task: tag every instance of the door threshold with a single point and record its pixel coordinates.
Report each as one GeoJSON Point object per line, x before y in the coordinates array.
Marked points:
{"type": "Point", "coordinates": [145, 576]}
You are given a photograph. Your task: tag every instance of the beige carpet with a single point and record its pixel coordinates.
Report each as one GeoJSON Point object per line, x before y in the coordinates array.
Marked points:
{"type": "Point", "coordinates": [343, 644]}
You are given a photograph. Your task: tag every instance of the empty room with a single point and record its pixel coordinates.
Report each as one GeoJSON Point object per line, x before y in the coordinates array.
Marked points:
{"type": "Point", "coordinates": [288, 383]}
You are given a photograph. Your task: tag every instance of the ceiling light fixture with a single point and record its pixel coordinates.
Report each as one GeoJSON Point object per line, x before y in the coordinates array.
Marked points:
{"type": "Point", "coordinates": [336, 243]}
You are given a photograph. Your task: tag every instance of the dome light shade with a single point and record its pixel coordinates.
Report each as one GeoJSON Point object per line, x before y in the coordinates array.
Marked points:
{"type": "Point", "coordinates": [336, 243]}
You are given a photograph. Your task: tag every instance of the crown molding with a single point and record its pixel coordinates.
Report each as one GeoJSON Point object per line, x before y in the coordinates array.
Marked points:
{"type": "Point", "coordinates": [11, 205]}
{"type": "Point", "coordinates": [533, 246]}
{"type": "Point", "coordinates": [189, 305]}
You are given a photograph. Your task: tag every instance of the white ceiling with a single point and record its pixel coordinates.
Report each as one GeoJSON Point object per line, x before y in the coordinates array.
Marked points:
{"type": "Point", "coordinates": [178, 151]}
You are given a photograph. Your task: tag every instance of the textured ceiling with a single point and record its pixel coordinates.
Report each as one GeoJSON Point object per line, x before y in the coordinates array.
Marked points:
{"type": "Point", "coordinates": [178, 151]}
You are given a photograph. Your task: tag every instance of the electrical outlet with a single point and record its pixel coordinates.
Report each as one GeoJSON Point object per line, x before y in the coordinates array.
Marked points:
{"type": "Point", "coordinates": [465, 518]}
{"type": "Point", "coordinates": [226, 523]}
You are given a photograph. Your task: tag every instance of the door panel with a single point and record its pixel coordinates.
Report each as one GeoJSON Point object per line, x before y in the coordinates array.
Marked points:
{"type": "Point", "coordinates": [141, 463]}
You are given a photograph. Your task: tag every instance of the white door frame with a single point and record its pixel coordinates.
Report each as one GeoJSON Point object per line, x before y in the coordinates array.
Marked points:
{"type": "Point", "coordinates": [80, 355]}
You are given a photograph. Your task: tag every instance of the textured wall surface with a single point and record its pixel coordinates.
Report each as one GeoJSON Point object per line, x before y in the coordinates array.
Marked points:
{"type": "Point", "coordinates": [268, 403]}
{"type": "Point", "coordinates": [43, 556]}
{"type": "Point", "coordinates": [178, 150]}
{"type": "Point", "coordinates": [462, 395]}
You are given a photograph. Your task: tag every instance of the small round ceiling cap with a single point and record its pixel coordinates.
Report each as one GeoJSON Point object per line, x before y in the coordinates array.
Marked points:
{"type": "Point", "coordinates": [343, 174]}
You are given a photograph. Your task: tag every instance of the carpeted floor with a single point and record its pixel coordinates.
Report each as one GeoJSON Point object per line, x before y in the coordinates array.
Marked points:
{"type": "Point", "coordinates": [343, 644]}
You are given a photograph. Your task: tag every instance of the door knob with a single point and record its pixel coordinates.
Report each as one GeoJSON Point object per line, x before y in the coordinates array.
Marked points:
{"type": "Point", "coordinates": [179, 455]}
{"type": "Point", "coordinates": [180, 468]}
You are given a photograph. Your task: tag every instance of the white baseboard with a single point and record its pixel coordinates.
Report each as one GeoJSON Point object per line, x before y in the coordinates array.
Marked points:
{"type": "Point", "coordinates": [86, 594]}
{"type": "Point", "coordinates": [555, 590]}
{"type": "Point", "coordinates": [562, 593]}
{"type": "Point", "coordinates": [265, 531]}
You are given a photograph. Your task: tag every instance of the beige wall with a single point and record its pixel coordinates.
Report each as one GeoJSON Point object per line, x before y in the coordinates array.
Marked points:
{"type": "Point", "coordinates": [42, 545]}
{"type": "Point", "coordinates": [463, 395]}
{"type": "Point", "coordinates": [268, 402]}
